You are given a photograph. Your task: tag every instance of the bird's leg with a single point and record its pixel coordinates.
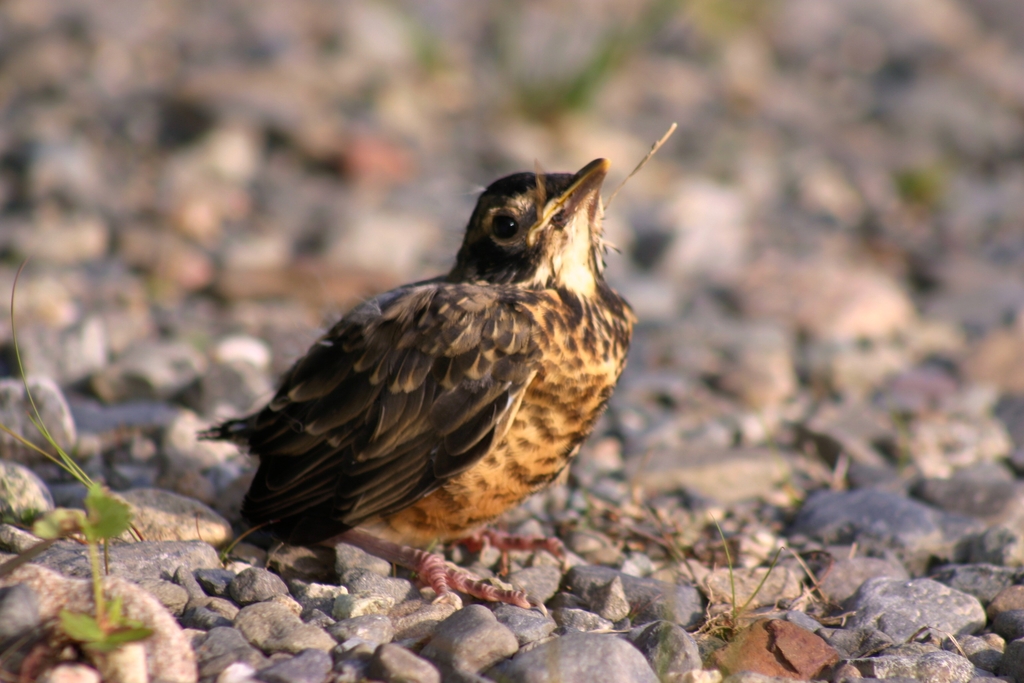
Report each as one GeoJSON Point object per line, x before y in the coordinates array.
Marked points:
{"type": "Point", "coordinates": [504, 542]}
{"type": "Point", "coordinates": [432, 569]}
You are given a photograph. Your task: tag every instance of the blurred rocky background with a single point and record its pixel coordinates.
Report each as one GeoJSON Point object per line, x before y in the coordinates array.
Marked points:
{"type": "Point", "coordinates": [827, 258]}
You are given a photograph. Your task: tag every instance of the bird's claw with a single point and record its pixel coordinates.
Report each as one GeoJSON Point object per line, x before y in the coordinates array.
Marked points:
{"type": "Point", "coordinates": [538, 605]}
{"type": "Point", "coordinates": [443, 579]}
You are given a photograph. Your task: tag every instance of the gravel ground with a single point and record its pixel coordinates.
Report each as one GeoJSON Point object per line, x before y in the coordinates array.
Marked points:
{"type": "Point", "coordinates": [828, 378]}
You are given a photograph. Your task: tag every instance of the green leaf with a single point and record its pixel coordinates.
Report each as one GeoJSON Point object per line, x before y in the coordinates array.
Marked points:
{"type": "Point", "coordinates": [81, 627]}
{"type": "Point", "coordinates": [59, 523]}
{"type": "Point", "coordinates": [108, 516]}
{"type": "Point", "coordinates": [114, 611]}
{"type": "Point", "coordinates": [119, 637]}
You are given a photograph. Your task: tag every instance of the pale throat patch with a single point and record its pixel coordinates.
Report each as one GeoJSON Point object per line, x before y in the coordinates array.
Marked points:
{"type": "Point", "coordinates": [570, 264]}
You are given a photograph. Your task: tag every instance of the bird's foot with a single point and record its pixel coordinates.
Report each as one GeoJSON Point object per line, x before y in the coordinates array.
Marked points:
{"type": "Point", "coordinates": [433, 570]}
{"type": "Point", "coordinates": [504, 542]}
{"type": "Point", "coordinates": [443, 578]}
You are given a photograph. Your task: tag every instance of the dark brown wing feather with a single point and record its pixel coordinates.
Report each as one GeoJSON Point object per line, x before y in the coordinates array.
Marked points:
{"type": "Point", "coordinates": [405, 392]}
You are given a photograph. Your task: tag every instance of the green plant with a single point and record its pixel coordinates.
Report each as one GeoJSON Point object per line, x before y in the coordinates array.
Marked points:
{"type": "Point", "coordinates": [105, 517]}
{"type": "Point", "coordinates": [548, 98]}
{"type": "Point", "coordinates": [62, 458]}
{"type": "Point", "coordinates": [720, 19]}
{"type": "Point", "coordinates": [728, 627]}
{"type": "Point", "coordinates": [922, 187]}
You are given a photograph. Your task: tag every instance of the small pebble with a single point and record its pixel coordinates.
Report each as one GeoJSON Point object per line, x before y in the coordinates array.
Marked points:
{"type": "Point", "coordinates": [255, 585]}
{"type": "Point", "coordinates": [471, 640]}
{"type": "Point", "coordinates": [394, 664]}
{"type": "Point", "coordinates": [308, 666]}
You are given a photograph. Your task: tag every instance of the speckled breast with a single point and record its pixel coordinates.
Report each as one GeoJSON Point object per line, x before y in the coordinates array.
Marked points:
{"type": "Point", "coordinates": [584, 343]}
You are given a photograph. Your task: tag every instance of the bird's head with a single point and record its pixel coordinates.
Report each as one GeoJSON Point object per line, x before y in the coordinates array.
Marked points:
{"type": "Point", "coordinates": [538, 231]}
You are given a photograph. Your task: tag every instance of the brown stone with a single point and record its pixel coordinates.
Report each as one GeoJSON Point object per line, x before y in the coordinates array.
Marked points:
{"type": "Point", "coordinates": [777, 648]}
{"type": "Point", "coordinates": [1011, 597]}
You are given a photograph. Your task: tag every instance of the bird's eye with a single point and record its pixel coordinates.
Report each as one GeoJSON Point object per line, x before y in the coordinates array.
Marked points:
{"type": "Point", "coordinates": [504, 226]}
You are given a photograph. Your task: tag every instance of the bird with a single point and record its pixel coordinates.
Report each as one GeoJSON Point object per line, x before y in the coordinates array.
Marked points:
{"type": "Point", "coordinates": [427, 411]}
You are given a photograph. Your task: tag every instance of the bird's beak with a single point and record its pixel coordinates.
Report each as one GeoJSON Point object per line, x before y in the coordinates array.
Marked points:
{"type": "Point", "coordinates": [586, 183]}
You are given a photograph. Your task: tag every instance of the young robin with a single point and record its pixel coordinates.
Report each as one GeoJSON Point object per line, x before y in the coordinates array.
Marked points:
{"type": "Point", "coordinates": [429, 410]}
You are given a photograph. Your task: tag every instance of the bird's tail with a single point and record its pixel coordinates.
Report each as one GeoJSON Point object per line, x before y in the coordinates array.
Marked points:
{"type": "Point", "coordinates": [232, 430]}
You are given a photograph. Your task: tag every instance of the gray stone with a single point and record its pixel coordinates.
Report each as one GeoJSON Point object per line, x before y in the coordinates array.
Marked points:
{"type": "Point", "coordinates": [354, 649]}
{"type": "Point", "coordinates": [989, 498]}
{"type": "Point", "coordinates": [351, 605]}
{"type": "Point", "coordinates": [167, 652]}
{"type": "Point", "coordinates": [847, 575]}
{"type": "Point", "coordinates": [900, 608]}
{"type": "Point", "coordinates": [726, 474]}
{"type": "Point", "coordinates": [1012, 663]}
{"type": "Point", "coordinates": [203, 619]}
{"type": "Point", "coordinates": [225, 608]}
{"type": "Point", "coordinates": [171, 595]}
{"type": "Point", "coordinates": [19, 612]}
{"type": "Point", "coordinates": [364, 581]}
{"type": "Point", "coordinates": [318, 596]}
{"type": "Point", "coordinates": [983, 581]}
{"type": "Point", "coordinates": [802, 619]}
{"type": "Point", "coordinates": [93, 417]}
{"type": "Point", "coordinates": [580, 620]}
{"type": "Point", "coordinates": [15, 409]}
{"type": "Point", "coordinates": [394, 664]}
{"type": "Point", "coordinates": [309, 666]}
{"type": "Point", "coordinates": [564, 599]}
{"type": "Point", "coordinates": [669, 649]}
{"type": "Point", "coordinates": [316, 617]}
{"type": "Point", "coordinates": [73, 353]}
{"type": "Point", "coordinates": [539, 583]}
{"type": "Point", "coordinates": [1011, 597]}
{"type": "Point", "coordinates": [852, 643]}
{"type": "Point", "coordinates": [215, 581]}
{"type": "Point", "coordinates": [314, 565]}
{"type": "Point", "coordinates": [594, 546]}
{"type": "Point", "coordinates": [185, 577]}
{"type": "Point", "coordinates": [133, 561]}
{"type": "Point", "coordinates": [752, 677]}
{"type": "Point", "coordinates": [167, 516]}
{"type": "Point", "coordinates": [185, 453]}
{"type": "Point", "coordinates": [1009, 624]}
{"type": "Point", "coordinates": [233, 388]}
{"type": "Point", "coordinates": [755, 586]}
{"type": "Point", "coordinates": [348, 557]}
{"type": "Point", "coordinates": [272, 627]}
{"type": "Point", "coordinates": [240, 348]}
{"type": "Point", "coordinates": [944, 667]}
{"type": "Point", "coordinates": [934, 667]}
{"type": "Point", "coordinates": [985, 652]}
{"type": "Point", "coordinates": [68, 494]}
{"type": "Point", "coordinates": [224, 646]}
{"type": "Point", "coordinates": [373, 628]}
{"type": "Point", "coordinates": [610, 601]}
{"type": "Point", "coordinates": [1001, 545]}
{"type": "Point", "coordinates": [526, 624]}
{"type": "Point", "coordinates": [416, 620]}
{"type": "Point", "coordinates": [15, 540]}
{"type": "Point", "coordinates": [67, 672]}
{"type": "Point", "coordinates": [649, 599]}
{"type": "Point", "coordinates": [881, 520]}
{"type": "Point", "coordinates": [577, 658]}
{"type": "Point", "coordinates": [256, 584]}
{"type": "Point", "coordinates": [149, 370]}
{"type": "Point", "coordinates": [23, 495]}
{"type": "Point", "coordinates": [470, 640]}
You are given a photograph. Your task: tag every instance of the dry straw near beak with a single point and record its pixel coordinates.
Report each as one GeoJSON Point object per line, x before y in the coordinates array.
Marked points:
{"type": "Point", "coordinates": [643, 162]}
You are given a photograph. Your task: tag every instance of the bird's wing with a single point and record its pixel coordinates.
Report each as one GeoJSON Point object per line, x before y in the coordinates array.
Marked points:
{"type": "Point", "coordinates": [405, 392]}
